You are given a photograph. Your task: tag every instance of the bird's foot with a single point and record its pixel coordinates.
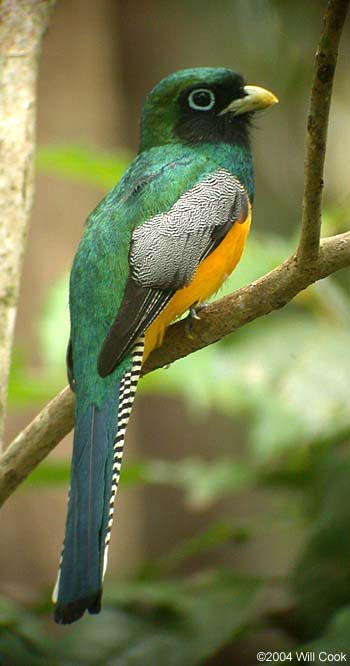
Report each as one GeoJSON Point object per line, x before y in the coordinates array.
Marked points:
{"type": "Point", "coordinates": [192, 315]}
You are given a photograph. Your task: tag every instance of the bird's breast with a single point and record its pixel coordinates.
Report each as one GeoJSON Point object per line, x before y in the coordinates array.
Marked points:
{"type": "Point", "coordinates": [209, 276]}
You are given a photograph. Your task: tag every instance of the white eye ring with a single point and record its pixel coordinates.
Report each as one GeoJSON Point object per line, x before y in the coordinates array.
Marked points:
{"type": "Point", "coordinates": [198, 107]}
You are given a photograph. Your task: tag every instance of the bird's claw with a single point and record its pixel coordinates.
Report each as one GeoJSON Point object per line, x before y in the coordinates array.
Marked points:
{"type": "Point", "coordinates": [192, 315]}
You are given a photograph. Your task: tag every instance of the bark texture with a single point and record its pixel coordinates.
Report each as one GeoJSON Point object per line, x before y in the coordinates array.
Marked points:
{"type": "Point", "coordinates": [22, 25]}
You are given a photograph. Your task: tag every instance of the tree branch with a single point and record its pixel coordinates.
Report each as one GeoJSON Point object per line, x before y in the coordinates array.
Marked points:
{"type": "Point", "coordinates": [217, 320]}
{"type": "Point", "coordinates": [35, 442]}
{"type": "Point", "coordinates": [22, 25]}
{"type": "Point", "coordinates": [230, 313]}
{"type": "Point", "coordinates": [270, 292]}
{"type": "Point", "coordinates": [317, 127]}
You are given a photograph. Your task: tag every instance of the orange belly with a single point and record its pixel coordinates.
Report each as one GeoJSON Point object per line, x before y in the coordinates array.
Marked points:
{"type": "Point", "coordinates": [210, 275]}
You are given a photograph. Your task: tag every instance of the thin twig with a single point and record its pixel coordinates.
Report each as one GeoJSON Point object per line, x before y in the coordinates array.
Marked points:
{"type": "Point", "coordinates": [217, 320]}
{"type": "Point", "coordinates": [317, 126]}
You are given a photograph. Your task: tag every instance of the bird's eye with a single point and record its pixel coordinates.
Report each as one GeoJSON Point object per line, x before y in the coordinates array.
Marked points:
{"type": "Point", "coordinates": [201, 99]}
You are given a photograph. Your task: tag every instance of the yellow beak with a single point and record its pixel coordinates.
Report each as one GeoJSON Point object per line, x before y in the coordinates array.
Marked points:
{"type": "Point", "coordinates": [255, 99]}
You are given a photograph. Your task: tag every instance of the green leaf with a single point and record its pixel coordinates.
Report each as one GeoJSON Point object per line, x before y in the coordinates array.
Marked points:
{"type": "Point", "coordinates": [53, 318]}
{"type": "Point", "coordinates": [203, 482]}
{"type": "Point", "coordinates": [23, 640]}
{"type": "Point", "coordinates": [214, 536]}
{"type": "Point", "coordinates": [320, 581]}
{"type": "Point", "coordinates": [30, 385]}
{"type": "Point", "coordinates": [82, 164]}
{"type": "Point", "coordinates": [334, 641]}
{"type": "Point", "coordinates": [48, 474]}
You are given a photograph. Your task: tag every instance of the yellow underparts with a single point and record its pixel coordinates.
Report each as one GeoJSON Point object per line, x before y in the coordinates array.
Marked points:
{"type": "Point", "coordinates": [209, 277]}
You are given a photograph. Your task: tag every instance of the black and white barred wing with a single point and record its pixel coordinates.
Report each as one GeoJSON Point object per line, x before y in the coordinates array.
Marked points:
{"type": "Point", "coordinates": [165, 253]}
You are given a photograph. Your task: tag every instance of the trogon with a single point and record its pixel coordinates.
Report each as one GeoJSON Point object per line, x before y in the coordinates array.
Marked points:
{"type": "Point", "coordinates": [162, 241]}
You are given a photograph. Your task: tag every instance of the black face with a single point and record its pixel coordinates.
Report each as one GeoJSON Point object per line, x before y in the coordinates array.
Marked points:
{"type": "Point", "coordinates": [200, 107]}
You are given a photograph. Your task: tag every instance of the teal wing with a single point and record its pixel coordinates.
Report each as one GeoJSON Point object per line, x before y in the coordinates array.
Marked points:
{"type": "Point", "coordinates": [102, 268]}
{"type": "Point", "coordinates": [143, 242]}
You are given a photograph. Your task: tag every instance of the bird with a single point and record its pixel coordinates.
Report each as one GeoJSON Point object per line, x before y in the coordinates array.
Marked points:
{"type": "Point", "coordinates": [159, 244]}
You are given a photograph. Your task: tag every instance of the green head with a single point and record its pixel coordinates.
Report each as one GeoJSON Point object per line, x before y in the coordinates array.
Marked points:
{"type": "Point", "coordinates": [210, 105]}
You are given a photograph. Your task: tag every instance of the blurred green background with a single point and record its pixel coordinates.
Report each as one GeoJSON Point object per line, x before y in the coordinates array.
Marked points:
{"type": "Point", "coordinates": [233, 524]}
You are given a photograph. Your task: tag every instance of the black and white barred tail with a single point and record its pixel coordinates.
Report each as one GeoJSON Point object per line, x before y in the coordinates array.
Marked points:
{"type": "Point", "coordinates": [97, 456]}
{"type": "Point", "coordinates": [128, 386]}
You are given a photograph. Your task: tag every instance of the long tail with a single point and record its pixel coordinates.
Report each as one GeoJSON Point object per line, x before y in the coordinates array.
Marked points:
{"type": "Point", "coordinates": [97, 456]}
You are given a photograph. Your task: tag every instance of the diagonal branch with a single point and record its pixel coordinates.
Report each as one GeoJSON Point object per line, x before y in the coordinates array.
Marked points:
{"type": "Point", "coordinates": [217, 320]}
{"type": "Point", "coordinates": [317, 127]}
{"type": "Point", "coordinates": [270, 292]}
{"type": "Point", "coordinates": [311, 263]}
